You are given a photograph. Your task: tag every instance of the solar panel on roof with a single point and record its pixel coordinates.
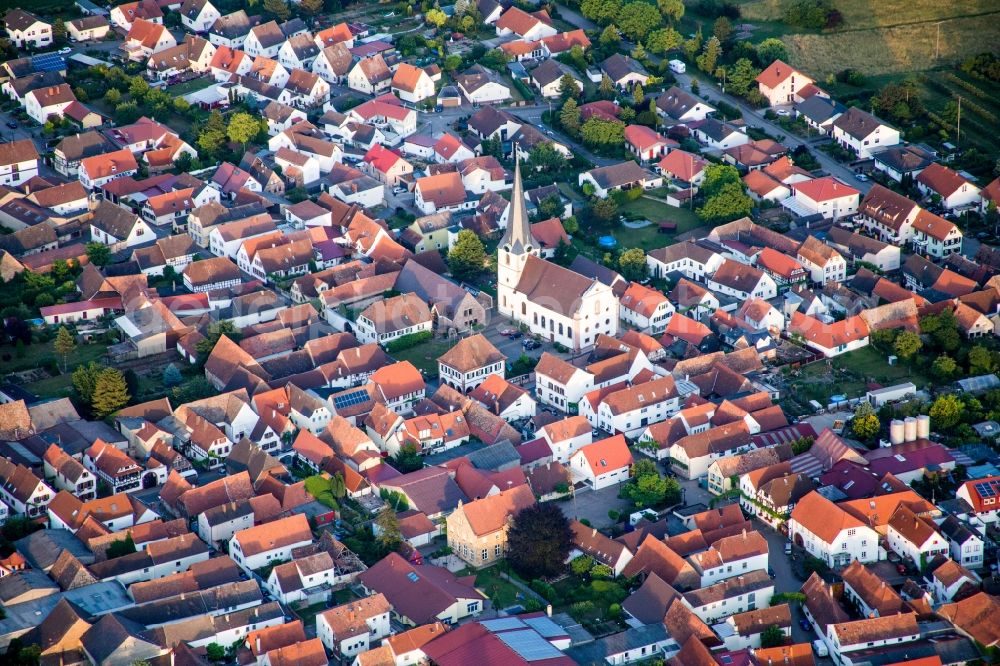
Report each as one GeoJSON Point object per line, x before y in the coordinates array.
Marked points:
{"type": "Point", "coordinates": [985, 490]}
{"type": "Point", "coordinates": [502, 624]}
{"type": "Point", "coordinates": [529, 645]}
{"type": "Point", "coordinates": [48, 62]}
{"type": "Point", "coordinates": [354, 398]}
{"type": "Point", "coordinates": [545, 626]}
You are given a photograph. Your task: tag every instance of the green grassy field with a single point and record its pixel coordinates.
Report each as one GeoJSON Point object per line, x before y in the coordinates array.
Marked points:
{"type": "Point", "coordinates": [649, 238]}
{"type": "Point", "coordinates": [882, 37]}
{"type": "Point", "coordinates": [424, 356]}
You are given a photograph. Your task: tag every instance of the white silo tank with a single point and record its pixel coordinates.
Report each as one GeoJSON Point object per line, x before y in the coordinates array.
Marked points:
{"type": "Point", "coordinates": [909, 429]}
{"type": "Point", "coordinates": [923, 426]}
{"type": "Point", "coordinates": [896, 431]}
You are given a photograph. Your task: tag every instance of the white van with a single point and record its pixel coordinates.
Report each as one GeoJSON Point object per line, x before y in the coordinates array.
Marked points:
{"type": "Point", "coordinates": [819, 647]}
{"type": "Point", "coordinates": [677, 67]}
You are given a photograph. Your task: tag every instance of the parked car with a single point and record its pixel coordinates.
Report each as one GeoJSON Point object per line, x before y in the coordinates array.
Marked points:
{"type": "Point", "coordinates": [783, 112]}
{"type": "Point", "coordinates": [770, 572]}
{"type": "Point", "coordinates": [861, 177]}
{"type": "Point", "coordinates": [788, 548]}
{"type": "Point", "coordinates": [64, 50]}
{"type": "Point", "coordinates": [508, 331]}
{"type": "Point", "coordinates": [819, 647]}
{"type": "Point", "coordinates": [516, 335]}
{"type": "Point", "coordinates": [805, 624]}
{"type": "Point", "coordinates": [901, 568]}
{"type": "Point", "coordinates": [531, 344]}
{"type": "Point", "coordinates": [11, 124]}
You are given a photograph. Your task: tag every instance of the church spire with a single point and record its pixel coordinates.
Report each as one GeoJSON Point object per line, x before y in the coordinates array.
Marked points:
{"type": "Point", "coordinates": [517, 238]}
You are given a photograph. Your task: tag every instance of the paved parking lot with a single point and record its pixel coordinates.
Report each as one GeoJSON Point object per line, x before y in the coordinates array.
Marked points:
{"type": "Point", "coordinates": [594, 505]}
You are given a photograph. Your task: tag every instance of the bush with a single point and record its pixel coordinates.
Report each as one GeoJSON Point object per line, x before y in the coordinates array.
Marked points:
{"type": "Point", "coordinates": [408, 341]}
{"type": "Point", "coordinates": [601, 572]}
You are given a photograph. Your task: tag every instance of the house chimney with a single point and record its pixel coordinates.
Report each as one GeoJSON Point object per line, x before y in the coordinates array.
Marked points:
{"type": "Point", "coordinates": [258, 644]}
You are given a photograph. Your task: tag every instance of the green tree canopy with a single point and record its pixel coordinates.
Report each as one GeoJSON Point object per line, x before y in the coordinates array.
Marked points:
{"type": "Point", "coordinates": [569, 117]}
{"type": "Point", "coordinates": [741, 77]}
{"type": "Point", "coordinates": [772, 637]}
{"type": "Point", "coordinates": [944, 367]}
{"type": "Point", "coordinates": [84, 381]}
{"type": "Point", "coordinates": [64, 344]}
{"type": "Point", "coordinates": [637, 18]}
{"type": "Point", "coordinates": [408, 459]}
{"type": "Point", "coordinates": [545, 158]}
{"type": "Point", "coordinates": [278, 9]}
{"type": "Point", "coordinates": [436, 17]}
{"type": "Point", "coordinates": [467, 258]}
{"type": "Point", "coordinates": [730, 203]}
{"type": "Point", "coordinates": [946, 411]}
{"type": "Point", "coordinates": [243, 127]}
{"type": "Point", "coordinates": [600, 11]}
{"type": "Point", "coordinates": [663, 40]}
{"type": "Point", "coordinates": [771, 49]}
{"type": "Point", "coordinates": [110, 393]}
{"type": "Point", "coordinates": [539, 541]}
{"type": "Point", "coordinates": [709, 55]}
{"type": "Point", "coordinates": [672, 10]}
{"type": "Point", "coordinates": [98, 254]}
{"type": "Point", "coordinates": [389, 535]}
{"type": "Point", "coordinates": [632, 264]}
{"type": "Point", "coordinates": [906, 345]}
{"type": "Point", "coordinates": [600, 132]}
{"type": "Point", "coordinates": [865, 424]}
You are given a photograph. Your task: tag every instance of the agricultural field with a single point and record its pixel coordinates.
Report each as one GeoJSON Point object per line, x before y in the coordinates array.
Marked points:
{"type": "Point", "coordinates": [887, 37]}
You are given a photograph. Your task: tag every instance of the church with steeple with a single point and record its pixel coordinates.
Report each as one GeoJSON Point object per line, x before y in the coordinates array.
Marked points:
{"type": "Point", "coordinates": [554, 302]}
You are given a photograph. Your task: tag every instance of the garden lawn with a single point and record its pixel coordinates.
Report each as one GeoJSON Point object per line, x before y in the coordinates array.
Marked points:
{"type": "Point", "coordinates": [191, 86]}
{"type": "Point", "coordinates": [501, 592]}
{"type": "Point", "coordinates": [425, 355]}
{"type": "Point", "coordinates": [588, 602]}
{"type": "Point", "coordinates": [37, 355]}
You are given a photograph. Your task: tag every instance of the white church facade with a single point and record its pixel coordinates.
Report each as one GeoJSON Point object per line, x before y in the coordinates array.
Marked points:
{"type": "Point", "coordinates": [555, 303]}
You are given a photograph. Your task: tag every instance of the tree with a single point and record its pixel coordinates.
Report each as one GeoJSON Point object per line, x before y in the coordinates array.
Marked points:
{"type": "Point", "coordinates": [637, 18]}
{"type": "Point", "coordinates": [610, 37]}
{"type": "Point", "coordinates": [673, 10]}
{"type": "Point", "coordinates": [649, 488]}
{"type": "Point", "coordinates": [772, 637]}
{"type": "Point", "coordinates": [110, 393]}
{"type": "Point", "coordinates": [600, 11]}
{"type": "Point", "coordinates": [64, 344]}
{"type": "Point", "coordinates": [981, 361]}
{"type": "Point", "coordinates": [944, 367]}
{"type": "Point", "coordinates": [215, 652]}
{"type": "Point", "coordinates": [906, 345]}
{"type": "Point", "coordinates": [211, 140]}
{"type": "Point", "coordinates": [545, 158]}
{"type": "Point", "coordinates": [539, 541]}
{"type": "Point", "coordinates": [277, 8]}
{"type": "Point", "coordinates": [571, 225]}
{"type": "Point", "coordinates": [214, 332]}
{"type": "Point", "coordinates": [638, 94]}
{"type": "Point", "coordinates": [242, 128]}
{"type": "Point", "coordinates": [492, 146]}
{"type": "Point", "coordinates": [338, 487]}
{"type": "Point", "coordinates": [604, 133]}
{"type": "Point", "coordinates": [741, 77]}
{"type": "Point", "coordinates": [436, 17]}
{"type": "Point", "coordinates": [663, 40]}
{"type": "Point", "coordinates": [85, 380]}
{"type": "Point", "coordinates": [581, 564]}
{"type": "Point", "coordinates": [98, 254]}
{"type": "Point", "coordinates": [408, 459]}
{"type": "Point", "coordinates": [730, 203]}
{"type": "Point", "coordinates": [722, 29]}
{"type": "Point", "coordinates": [59, 31]}
{"type": "Point", "coordinates": [865, 424]}
{"type": "Point", "coordinates": [709, 55]}
{"type": "Point", "coordinates": [946, 412]}
{"type": "Point", "coordinates": [389, 536]}
{"type": "Point", "coordinates": [171, 375]}
{"type": "Point", "coordinates": [467, 257]}
{"type": "Point", "coordinates": [692, 46]}
{"type": "Point", "coordinates": [769, 50]}
{"type": "Point", "coordinates": [567, 87]}
{"type": "Point", "coordinates": [607, 88]}
{"type": "Point", "coordinates": [311, 7]}
{"type": "Point", "coordinates": [120, 547]}
{"type": "Point", "coordinates": [604, 209]}
{"type": "Point", "coordinates": [632, 263]}
{"type": "Point", "coordinates": [718, 175]}
{"type": "Point", "coordinates": [564, 254]}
